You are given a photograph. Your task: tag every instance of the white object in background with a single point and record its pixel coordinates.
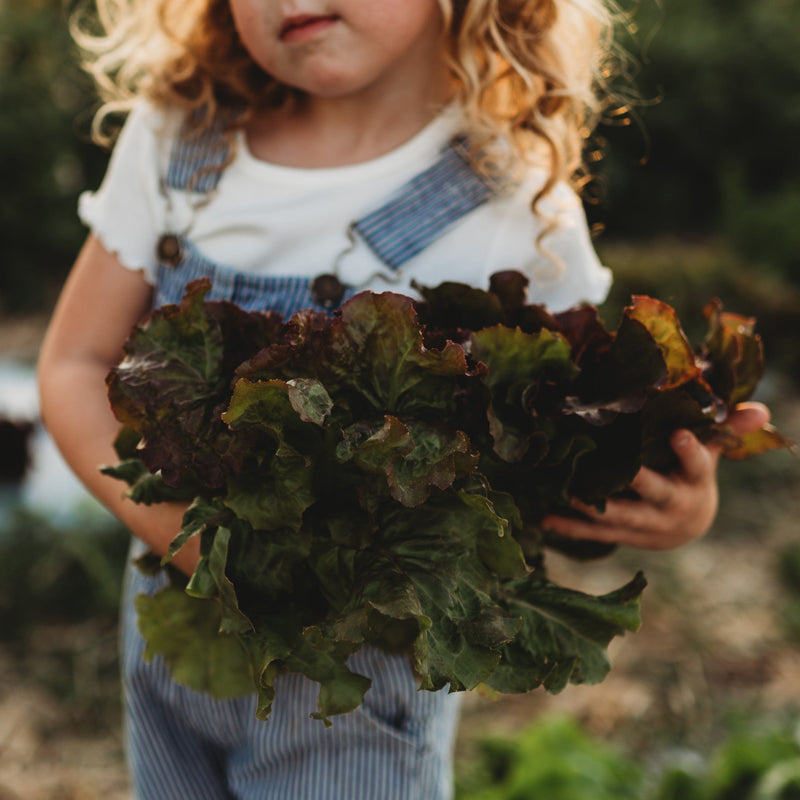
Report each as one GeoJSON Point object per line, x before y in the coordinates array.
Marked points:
{"type": "Point", "coordinates": [49, 487]}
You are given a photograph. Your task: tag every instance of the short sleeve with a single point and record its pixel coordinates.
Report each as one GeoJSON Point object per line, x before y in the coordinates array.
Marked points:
{"type": "Point", "coordinates": [128, 212]}
{"type": "Point", "coordinates": [552, 247]}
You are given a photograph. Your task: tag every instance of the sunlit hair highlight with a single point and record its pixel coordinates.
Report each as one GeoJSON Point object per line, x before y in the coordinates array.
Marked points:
{"type": "Point", "coordinates": [535, 75]}
{"type": "Point", "coordinates": [182, 54]}
{"type": "Point", "coordinates": [532, 76]}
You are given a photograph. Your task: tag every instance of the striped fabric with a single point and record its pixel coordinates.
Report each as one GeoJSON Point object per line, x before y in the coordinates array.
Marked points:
{"type": "Point", "coordinates": [424, 208]}
{"type": "Point", "coordinates": [187, 746]}
{"type": "Point", "coordinates": [197, 159]}
{"type": "Point", "coordinates": [415, 217]}
{"type": "Point", "coordinates": [282, 293]}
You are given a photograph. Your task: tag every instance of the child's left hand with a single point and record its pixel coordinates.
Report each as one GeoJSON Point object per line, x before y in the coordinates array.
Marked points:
{"type": "Point", "coordinates": [672, 509]}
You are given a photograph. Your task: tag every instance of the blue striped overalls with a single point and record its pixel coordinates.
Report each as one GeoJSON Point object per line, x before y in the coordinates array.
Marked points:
{"type": "Point", "coordinates": [398, 746]}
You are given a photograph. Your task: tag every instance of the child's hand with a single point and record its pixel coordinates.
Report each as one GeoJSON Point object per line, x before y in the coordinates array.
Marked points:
{"type": "Point", "coordinates": [672, 509]}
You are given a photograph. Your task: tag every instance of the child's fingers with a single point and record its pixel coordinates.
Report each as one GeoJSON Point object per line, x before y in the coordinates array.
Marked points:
{"type": "Point", "coordinates": [748, 417]}
{"type": "Point", "coordinates": [670, 509]}
{"type": "Point", "coordinates": [623, 526]}
{"type": "Point", "coordinates": [698, 463]}
{"type": "Point", "coordinates": [635, 523]}
{"type": "Point", "coordinates": [653, 487]}
{"type": "Point", "coordinates": [629, 515]}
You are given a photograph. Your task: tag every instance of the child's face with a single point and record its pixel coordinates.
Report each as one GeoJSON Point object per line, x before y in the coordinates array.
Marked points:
{"type": "Point", "coordinates": [338, 48]}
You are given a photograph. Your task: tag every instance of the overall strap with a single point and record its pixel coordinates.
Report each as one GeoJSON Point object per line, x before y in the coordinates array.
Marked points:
{"type": "Point", "coordinates": [198, 157]}
{"type": "Point", "coordinates": [421, 210]}
{"type": "Point", "coordinates": [414, 217]}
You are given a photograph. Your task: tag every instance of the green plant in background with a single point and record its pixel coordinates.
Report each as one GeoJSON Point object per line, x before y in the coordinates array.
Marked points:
{"type": "Point", "coordinates": [750, 765]}
{"type": "Point", "coordinates": [717, 124]}
{"type": "Point", "coordinates": [554, 760]}
{"type": "Point", "coordinates": [49, 574]}
{"type": "Point", "coordinates": [59, 595]}
{"type": "Point", "coordinates": [46, 161]}
{"type": "Point", "coordinates": [682, 781]}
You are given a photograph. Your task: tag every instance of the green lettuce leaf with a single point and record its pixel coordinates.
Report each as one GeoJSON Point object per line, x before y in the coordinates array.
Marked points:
{"type": "Point", "coordinates": [564, 634]}
{"type": "Point", "coordinates": [185, 632]}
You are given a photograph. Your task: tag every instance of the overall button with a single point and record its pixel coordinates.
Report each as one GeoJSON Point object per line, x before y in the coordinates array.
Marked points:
{"type": "Point", "coordinates": [169, 250]}
{"type": "Point", "coordinates": [327, 291]}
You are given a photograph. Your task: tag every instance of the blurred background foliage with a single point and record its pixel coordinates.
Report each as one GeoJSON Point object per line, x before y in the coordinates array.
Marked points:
{"type": "Point", "coordinates": [47, 159]}
{"type": "Point", "coordinates": [557, 759]}
{"type": "Point", "coordinates": [716, 126]}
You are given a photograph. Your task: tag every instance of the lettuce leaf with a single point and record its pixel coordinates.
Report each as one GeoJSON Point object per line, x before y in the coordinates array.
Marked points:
{"type": "Point", "coordinates": [377, 477]}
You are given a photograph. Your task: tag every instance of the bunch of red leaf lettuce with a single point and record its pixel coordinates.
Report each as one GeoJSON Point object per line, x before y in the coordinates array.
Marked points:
{"type": "Point", "coordinates": [376, 477]}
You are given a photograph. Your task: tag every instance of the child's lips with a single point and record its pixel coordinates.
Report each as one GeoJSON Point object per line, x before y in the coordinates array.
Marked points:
{"type": "Point", "coordinates": [305, 26]}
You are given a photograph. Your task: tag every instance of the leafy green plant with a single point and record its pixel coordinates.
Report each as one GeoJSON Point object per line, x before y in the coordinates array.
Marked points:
{"type": "Point", "coordinates": [50, 574]}
{"type": "Point", "coordinates": [750, 764]}
{"type": "Point", "coordinates": [738, 768]}
{"type": "Point", "coordinates": [44, 100]}
{"type": "Point", "coordinates": [554, 759]}
{"type": "Point", "coordinates": [678, 782]}
{"type": "Point", "coordinates": [378, 477]}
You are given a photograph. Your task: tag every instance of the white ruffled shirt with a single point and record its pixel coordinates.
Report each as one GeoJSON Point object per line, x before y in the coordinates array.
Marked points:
{"type": "Point", "coordinates": [270, 219]}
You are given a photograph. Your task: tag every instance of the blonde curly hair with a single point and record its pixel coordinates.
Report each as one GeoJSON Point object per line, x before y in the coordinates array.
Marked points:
{"type": "Point", "coordinates": [530, 73]}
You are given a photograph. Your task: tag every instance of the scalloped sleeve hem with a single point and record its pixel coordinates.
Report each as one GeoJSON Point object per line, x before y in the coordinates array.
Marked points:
{"type": "Point", "coordinates": [91, 213]}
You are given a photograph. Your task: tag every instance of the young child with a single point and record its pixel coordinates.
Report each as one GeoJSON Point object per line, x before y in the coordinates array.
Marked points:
{"type": "Point", "coordinates": [272, 142]}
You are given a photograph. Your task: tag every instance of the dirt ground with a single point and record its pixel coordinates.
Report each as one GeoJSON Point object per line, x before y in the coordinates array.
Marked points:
{"type": "Point", "coordinates": [719, 637]}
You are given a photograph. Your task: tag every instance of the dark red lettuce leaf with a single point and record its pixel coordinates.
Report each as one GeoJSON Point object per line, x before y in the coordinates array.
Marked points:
{"type": "Point", "coordinates": [174, 383]}
{"type": "Point", "coordinates": [663, 325]}
{"type": "Point", "coordinates": [733, 353]}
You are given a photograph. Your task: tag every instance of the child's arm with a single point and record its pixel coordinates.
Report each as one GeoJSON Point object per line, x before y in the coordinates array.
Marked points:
{"type": "Point", "coordinates": [673, 509]}
{"type": "Point", "coordinates": [100, 304]}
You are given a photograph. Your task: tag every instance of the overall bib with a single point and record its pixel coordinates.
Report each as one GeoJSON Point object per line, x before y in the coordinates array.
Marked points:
{"type": "Point", "coordinates": [184, 745]}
